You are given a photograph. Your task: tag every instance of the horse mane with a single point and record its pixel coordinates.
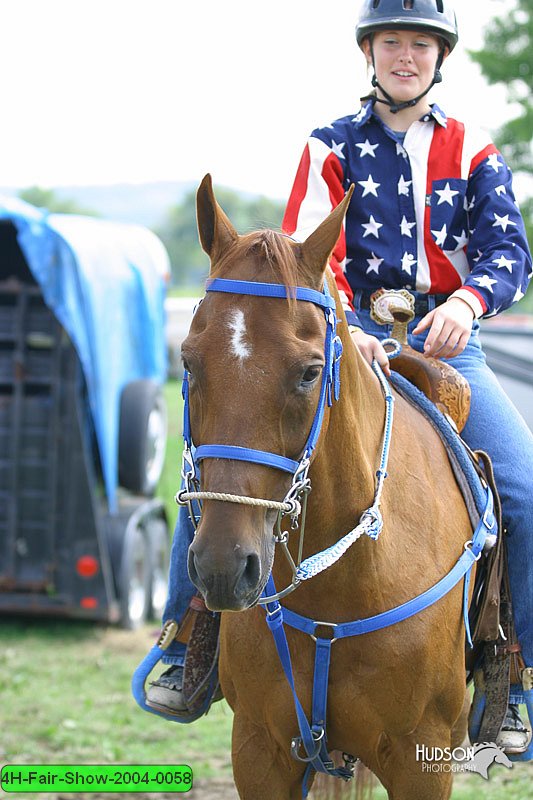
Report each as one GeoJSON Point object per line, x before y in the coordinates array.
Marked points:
{"type": "Point", "coordinates": [271, 248]}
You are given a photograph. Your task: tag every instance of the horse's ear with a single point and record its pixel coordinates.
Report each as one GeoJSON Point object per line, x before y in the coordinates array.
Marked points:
{"type": "Point", "coordinates": [317, 248]}
{"type": "Point", "coordinates": [215, 230]}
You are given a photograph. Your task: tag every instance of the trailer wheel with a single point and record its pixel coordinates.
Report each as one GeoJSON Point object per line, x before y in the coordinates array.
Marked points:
{"type": "Point", "coordinates": [142, 436]}
{"type": "Point", "coordinates": [134, 579]}
{"type": "Point", "coordinates": [159, 552]}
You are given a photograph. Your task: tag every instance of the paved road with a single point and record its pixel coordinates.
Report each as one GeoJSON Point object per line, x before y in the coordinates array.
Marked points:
{"type": "Point", "coordinates": [510, 354]}
{"type": "Point", "coordinates": [508, 344]}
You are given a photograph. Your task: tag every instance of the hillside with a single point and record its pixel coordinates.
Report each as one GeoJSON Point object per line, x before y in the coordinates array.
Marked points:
{"type": "Point", "coordinates": [140, 203]}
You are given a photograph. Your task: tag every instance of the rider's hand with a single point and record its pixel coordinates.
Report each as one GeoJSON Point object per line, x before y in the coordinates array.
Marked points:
{"type": "Point", "coordinates": [450, 327]}
{"type": "Point", "coordinates": [371, 348]}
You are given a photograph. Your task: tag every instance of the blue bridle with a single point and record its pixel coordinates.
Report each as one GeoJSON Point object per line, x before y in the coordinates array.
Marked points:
{"type": "Point", "coordinates": [330, 386]}
{"type": "Point", "coordinates": [294, 504]}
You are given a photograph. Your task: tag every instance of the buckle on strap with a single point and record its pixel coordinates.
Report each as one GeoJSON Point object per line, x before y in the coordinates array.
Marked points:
{"type": "Point", "coordinates": [297, 742]}
{"type": "Point", "coordinates": [469, 546]}
{"type": "Point", "coordinates": [169, 631]}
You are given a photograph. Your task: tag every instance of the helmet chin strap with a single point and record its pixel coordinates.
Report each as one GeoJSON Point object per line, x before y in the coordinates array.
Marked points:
{"type": "Point", "coordinates": [389, 101]}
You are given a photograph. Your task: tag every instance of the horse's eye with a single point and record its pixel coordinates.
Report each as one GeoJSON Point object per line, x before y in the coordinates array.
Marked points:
{"type": "Point", "coordinates": [310, 376]}
{"type": "Point", "coordinates": [187, 367]}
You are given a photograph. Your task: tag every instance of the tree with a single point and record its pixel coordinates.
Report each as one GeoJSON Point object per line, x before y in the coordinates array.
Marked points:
{"type": "Point", "coordinates": [48, 199]}
{"type": "Point", "coordinates": [507, 57]}
{"type": "Point", "coordinates": [179, 232]}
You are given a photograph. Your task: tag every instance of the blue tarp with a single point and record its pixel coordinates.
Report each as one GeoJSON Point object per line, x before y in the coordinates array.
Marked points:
{"type": "Point", "coordinates": [105, 282]}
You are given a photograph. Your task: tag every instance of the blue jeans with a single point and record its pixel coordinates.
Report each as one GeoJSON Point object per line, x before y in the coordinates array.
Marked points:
{"type": "Point", "coordinates": [494, 426]}
{"type": "Point", "coordinates": [180, 588]}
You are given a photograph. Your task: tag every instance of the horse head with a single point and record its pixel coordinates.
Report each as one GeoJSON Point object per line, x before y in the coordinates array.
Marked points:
{"type": "Point", "coordinates": [254, 367]}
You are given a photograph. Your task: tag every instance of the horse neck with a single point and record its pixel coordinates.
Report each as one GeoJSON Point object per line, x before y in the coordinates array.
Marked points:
{"type": "Point", "coordinates": [343, 478]}
{"type": "Point", "coordinates": [349, 451]}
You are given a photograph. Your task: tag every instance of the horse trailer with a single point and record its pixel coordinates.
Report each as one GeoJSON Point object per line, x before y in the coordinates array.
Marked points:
{"type": "Point", "coordinates": [82, 417]}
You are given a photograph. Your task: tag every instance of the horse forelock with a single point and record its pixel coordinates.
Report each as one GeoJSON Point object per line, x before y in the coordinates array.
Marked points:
{"type": "Point", "coordinates": [272, 252]}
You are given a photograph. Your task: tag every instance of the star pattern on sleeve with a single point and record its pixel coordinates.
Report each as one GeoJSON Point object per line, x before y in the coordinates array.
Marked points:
{"type": "Point", "coordinates": [461, 240]}
{"type": "Point", "coordinates": [519, 295]}
{"type": "Point", "coordinates": [371, 227]}
{"type": "Point", "coordinates": [502, 222]}
{"type": "Point", "coordinates": [504, 263]}
{"type": "Point", "coordinates": [485, 282]}
{"type": "Point", "coordinates": [493, 162]}
{"type": "Point", "coordinates": [446, 195]}
{"type": "Point", "coordinates": [369, 186]}
{"type": "Point", "coordinates": [337, 148]}
{"type": "Point", "coordinates": [367, 149]}
{"type": "Point", "coordinates": [500, 190]}
{"type": "Point", "coordinates": [493, 313]}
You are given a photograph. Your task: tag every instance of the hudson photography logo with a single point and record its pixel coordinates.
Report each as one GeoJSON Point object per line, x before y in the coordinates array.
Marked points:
{"type": "Point", "coordinates": [477, 758]}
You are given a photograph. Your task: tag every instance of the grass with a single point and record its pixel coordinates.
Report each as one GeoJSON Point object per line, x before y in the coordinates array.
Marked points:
{"type": "Point", "coordinates": [171, 477]}
{"type": "Point", "coordinates": [66, 700]}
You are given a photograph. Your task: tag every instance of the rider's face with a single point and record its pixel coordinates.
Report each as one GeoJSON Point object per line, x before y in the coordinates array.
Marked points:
{"type": "Point", "coordinates": [404, 60]}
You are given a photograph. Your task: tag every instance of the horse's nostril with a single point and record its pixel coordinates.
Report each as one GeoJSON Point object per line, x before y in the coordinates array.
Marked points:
{"type": "Point", "coordinates": [193, 572]}
{"type": "Point", "coordinates": [252, 571]}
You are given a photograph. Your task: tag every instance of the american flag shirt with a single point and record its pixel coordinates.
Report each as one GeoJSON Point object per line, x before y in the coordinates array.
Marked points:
{"type": "Point", "coordinates": [435, 213]}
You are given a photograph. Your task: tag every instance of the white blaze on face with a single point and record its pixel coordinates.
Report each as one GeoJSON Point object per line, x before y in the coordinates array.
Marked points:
{"type": "Point", "coordinates": [239, 346]}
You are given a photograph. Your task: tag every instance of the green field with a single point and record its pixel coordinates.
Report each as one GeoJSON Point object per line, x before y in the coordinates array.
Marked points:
{"type": "Point", "coordinates": [65, 699]}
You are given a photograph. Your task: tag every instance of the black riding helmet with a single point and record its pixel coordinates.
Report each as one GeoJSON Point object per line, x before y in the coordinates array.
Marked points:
{"type": "Point", "coordinates": [433, 16]}
{"type": "Point", "coordinates": [436, 16]}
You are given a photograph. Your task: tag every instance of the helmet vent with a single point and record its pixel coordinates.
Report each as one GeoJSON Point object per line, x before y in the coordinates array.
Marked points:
{"type": "Point", "coordinates": [375, 3]}
{"type": "Point", "coordinates": [440, 6]}
{"type": "Point", "coordinates": [408, 5]}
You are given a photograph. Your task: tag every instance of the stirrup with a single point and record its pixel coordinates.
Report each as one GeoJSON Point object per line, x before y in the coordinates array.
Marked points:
{"type": "Point", "coordinates": [145, 668]}
{"type": "Point", "coordinates": [478, 709]}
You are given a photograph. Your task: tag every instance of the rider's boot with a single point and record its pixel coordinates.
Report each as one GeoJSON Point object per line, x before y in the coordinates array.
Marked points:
{"type": "Point", "coordinates": [514, 736]}
{"type": "Point", "coordinates": [184, 688]}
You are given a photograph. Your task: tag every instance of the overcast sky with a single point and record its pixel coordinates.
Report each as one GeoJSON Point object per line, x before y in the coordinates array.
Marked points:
{"type": "Point", "coordinates": [105, 91]}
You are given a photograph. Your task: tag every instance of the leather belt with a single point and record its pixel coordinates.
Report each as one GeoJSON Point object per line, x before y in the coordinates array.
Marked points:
{"type": "Point", "coordinates": [421, 302]}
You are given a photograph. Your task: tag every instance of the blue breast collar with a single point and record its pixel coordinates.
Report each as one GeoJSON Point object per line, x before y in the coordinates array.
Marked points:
{"type": "Point", "coordinates": [313, 740]}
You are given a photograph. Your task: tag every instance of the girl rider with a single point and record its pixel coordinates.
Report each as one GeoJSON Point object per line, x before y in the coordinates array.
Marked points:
{"type": "Point", "coordinates": [433, 213]}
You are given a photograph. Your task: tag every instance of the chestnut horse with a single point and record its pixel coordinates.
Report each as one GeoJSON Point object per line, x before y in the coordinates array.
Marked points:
{"type": "Point", "coordinates": [255, 366]}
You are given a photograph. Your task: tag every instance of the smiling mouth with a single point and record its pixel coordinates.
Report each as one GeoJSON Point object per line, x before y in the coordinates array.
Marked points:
{"type": "Point", "coordinates": [404, 74]}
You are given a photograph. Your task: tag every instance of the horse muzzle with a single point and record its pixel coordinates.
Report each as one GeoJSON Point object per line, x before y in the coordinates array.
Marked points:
{"type": "Point", "coordinates": [232, 583]}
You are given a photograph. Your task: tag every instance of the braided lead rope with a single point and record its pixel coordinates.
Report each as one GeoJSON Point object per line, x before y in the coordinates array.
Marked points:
{"type": "Point", "coordinates": [371, 521]}
{"type": "Point", "coordinates": [182, 498]}
{"type": "Point", "coordinates": [370, 524]}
